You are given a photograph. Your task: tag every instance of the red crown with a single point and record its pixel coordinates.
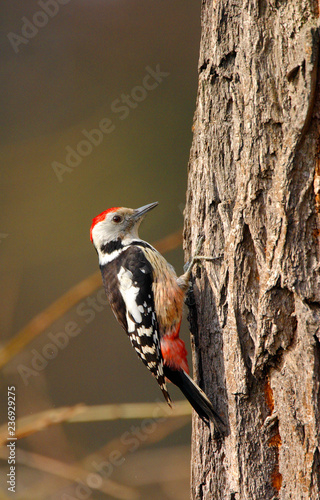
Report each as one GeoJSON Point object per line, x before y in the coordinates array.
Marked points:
{"type": "Point", "coordinates": [100, 218]}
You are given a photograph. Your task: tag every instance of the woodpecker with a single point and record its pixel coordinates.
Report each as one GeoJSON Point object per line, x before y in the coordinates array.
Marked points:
{"type": "Point", "coordinates": [147, 298]}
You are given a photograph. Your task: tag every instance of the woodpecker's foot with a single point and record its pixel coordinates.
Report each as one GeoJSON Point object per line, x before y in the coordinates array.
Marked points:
{"type": "Point", "coordinates": [183, 281]}
{"type": "Point", "coordinates": [196, 258]}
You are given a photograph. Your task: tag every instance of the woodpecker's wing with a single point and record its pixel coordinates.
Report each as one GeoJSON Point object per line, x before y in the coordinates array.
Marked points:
{"type": "Point", "coordinates": [137, 311]}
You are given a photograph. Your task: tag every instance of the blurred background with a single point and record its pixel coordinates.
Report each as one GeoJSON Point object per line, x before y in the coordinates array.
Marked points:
{"type": "Point", "coordinates": [97, 106]}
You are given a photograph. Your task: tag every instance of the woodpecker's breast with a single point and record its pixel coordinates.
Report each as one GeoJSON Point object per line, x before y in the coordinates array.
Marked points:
{"type": "Point", "coordinates": [168, 296]}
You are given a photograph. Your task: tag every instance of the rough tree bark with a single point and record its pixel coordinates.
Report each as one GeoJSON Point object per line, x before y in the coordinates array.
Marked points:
{"type": "Point", "coordinates": [254, 192]}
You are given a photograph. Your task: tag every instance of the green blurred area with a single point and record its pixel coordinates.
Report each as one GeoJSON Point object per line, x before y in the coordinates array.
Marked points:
{"type": "Point", "coordinates": [77, 70]}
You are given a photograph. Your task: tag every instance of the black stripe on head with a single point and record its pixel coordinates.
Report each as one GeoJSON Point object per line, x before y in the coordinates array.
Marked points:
{"type": "Point", "coordinates": [111, 246]}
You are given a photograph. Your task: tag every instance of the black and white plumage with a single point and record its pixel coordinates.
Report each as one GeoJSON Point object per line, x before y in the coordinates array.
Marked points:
{"type": "Point", "coordinates": [147, 298]}
{"type": "Point", "coordinates": [128, 284]}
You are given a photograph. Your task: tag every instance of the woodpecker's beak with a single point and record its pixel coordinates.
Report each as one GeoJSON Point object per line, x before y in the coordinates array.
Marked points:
{"type": "Point", "coordinates": [140, 212]}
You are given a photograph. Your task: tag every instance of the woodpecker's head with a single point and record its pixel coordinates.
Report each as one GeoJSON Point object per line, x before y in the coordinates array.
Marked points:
{"type": "Point", "coordinates": [118, 223]}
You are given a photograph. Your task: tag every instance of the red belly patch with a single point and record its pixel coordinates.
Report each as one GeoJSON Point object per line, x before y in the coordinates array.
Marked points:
{"type": "Point", "coordinates": [174, 351]}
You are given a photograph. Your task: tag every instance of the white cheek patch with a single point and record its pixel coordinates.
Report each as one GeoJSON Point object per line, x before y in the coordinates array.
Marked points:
{"type": "Point", "coordinates": [129, 293]}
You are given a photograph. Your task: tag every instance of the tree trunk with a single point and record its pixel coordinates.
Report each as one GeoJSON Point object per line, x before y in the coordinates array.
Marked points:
{"type": "Point", "coordinates": [254, 193]}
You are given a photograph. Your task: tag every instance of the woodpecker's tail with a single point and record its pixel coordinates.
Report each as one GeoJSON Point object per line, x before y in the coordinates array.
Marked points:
{"type": "Point", "coordinates": [196, 397]}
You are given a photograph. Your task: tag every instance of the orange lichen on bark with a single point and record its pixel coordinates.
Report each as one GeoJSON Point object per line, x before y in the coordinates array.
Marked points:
{"type": "Point", "coordinates": [274, 441]}
{"type": "Point", "coordinates": [276, 476]}
{"type": "Point", "coordinates": [269, 395]}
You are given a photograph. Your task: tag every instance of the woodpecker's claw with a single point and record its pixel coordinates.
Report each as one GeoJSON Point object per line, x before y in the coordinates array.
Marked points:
{"type": "Point", "coordinates": [188, 267]}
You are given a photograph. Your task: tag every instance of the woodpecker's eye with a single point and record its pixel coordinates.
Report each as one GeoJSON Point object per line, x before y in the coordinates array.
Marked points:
{"type": "Point", "coordinates": [117, 219]}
